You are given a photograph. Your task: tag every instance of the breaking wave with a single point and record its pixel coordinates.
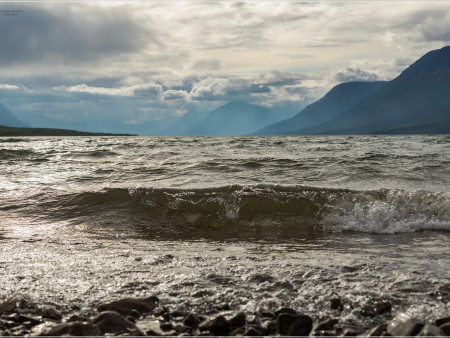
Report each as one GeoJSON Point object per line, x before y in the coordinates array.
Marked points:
{"type": "Point", "coordinates": [262, 211]}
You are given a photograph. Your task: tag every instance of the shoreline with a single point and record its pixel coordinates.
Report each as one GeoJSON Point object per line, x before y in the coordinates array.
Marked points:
{"type": "Point", "coordinates": [151, 317]}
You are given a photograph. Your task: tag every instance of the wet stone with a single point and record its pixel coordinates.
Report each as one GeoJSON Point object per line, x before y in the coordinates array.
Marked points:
{"type": "Point", "coordinates": [74, 329]}
{"type": "Point", "coordinates": [76, 318]}
{"type": "Point", "coordinates": [348, 331]}
{"type": "Point", "coordinates": [8, 306]}
{"type": "Point", "coordinates": [238, 320]}
{"type": "Point", "coordinates": [268, 315]}
{"type": "Point", "coordinates": [238, 332]}
{"type": "Point", "coordinates": [442, 321]}
{"type": "Point", "coordinates": [431, 331]}
{"type": "Point", "coordinates": [112, 322]}
{"type": "Point", "coordinates": [285, 310]}
{"type": "Point", "coordinates": [404, 325]}
{"type": "Point", "coordinates": [324, 333]}
{"type": "Point", "coordinates": [166, 326]}
{"type": "Point", "coordinates": [293, 325]}
{"type": "Point", "coordinates": [326, 325]}
{"type": "Point", "coordinates": [376, 306]}
{"type": "Point", "coordinates": [218, 326]}
{"type": "Point", "coordinates": [192, 320]}
{"type": "Point", "coordinates": [50, 313]}
{"type": "Point", "coordinates": [377, 331]}
{"type": "Point", "coordinates": [254, 331]}
{"type": "Point", "coordinates": [127, 305]}
{"type": "Point", "coordinates": [151, 332]}
{"type": "Point", "coordinates": [135, 314]}
{"type": "Point", "coordinates": [445, 328]}
{"type": "Point", "coordinates": [336, 304]}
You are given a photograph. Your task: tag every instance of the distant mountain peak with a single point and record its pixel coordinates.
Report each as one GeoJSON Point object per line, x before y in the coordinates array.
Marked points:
{"type": "Point", "coordinates": [7, 118]}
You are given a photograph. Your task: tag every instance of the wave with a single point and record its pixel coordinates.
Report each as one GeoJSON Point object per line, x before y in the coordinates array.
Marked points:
{"type": "Point", "coordinates": [262, 211]}
{"type": "Point", "coordinates": [19, 154]}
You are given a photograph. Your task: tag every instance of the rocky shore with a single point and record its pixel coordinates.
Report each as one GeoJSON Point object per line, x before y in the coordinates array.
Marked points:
{"type": "Point", "coordinates": [151, 317]}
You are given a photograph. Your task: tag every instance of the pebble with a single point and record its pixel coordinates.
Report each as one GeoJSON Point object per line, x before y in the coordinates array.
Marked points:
{"type": "Point", "coordinates": [113, 322]}
{"type": "Point", "coordinates": [141, 315]}
{"type": "Point", "coordinates": [404, 325]}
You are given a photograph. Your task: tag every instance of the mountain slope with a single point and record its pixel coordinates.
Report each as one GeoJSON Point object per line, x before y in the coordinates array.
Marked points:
{"type": "Point", "coordinates": [417, 101]}
{"type": "Point", "coordinates": [339, 98]}
{"type": "Point", "coordinates": [234, 118]}
{"type": "Point", "coordinates": [8, 119]}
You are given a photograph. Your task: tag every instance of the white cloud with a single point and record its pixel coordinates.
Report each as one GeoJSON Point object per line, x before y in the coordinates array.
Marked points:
{"type": "Point", "coordinates": [9, 86]}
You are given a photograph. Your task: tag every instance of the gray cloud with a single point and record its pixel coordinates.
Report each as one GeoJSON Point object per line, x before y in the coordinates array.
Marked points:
{"type": "Point", "coordinates": [207, 65]}
{"type": "Point", "coordinates": [66, 34]}
{"type": "Point", "coordinates": [352, 74]}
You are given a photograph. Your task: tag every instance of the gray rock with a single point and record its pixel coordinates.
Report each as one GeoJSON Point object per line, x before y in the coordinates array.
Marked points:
{"type": "Point", "coordinates": [431, 331]}
{"type": "Point", "coordinates": [326, 325]}
{"type": "Point", "coordinates": [50, 313]}
{"type": "Point", "coordinates": [74, 329]}
{"type": "Point", "coordinates": [126, 306]}
{"type": "Point", "coordinates": [113, 322]}
{"type": "Point", "coordinates": [218, 326]}
{"type": "Point", "coordinates": [404, 325]}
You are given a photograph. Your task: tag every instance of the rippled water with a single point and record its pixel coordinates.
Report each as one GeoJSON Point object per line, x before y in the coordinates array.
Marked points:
{"type": "Point", "coordinates": [250, 221]}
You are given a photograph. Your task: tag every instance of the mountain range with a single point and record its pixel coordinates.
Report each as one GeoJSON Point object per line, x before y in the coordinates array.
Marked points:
{"type": "Point", "coordinates": [340, 98]}
{"type": "Point", "coordinates": [416, 102]}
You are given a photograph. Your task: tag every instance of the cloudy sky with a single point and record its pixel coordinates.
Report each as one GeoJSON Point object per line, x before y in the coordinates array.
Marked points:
{"type": "Point", "coordinates": [139, 61]}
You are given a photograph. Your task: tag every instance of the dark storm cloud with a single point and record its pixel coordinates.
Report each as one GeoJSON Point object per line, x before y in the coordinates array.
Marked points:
{"type": "Point", "coordinates": [67, 34]}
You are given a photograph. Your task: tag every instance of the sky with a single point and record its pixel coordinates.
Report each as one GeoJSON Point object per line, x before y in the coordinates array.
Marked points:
{"type": "Point", "coordinates": [137, 61]}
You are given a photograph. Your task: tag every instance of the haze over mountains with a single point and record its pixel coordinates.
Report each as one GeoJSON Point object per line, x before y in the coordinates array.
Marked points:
{"type": "Point", "coordinates": [9, 119]}
{"type": "Point", "coordinates": [416, 102]}
{"type": "Point", "coordinates": [341, 97]}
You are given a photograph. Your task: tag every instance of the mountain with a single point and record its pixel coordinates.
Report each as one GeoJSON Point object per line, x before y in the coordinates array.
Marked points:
{"type": "Point", "coordinates": [339, 98]}
{"type": "Point", "coordinates": [8, 119]}
{"type": "Point", "coordinates": [416, 102]}
{"type": "Point", "coordinates": [183, 124]}
{"type": "Point", "coordinates": [234, 118]}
